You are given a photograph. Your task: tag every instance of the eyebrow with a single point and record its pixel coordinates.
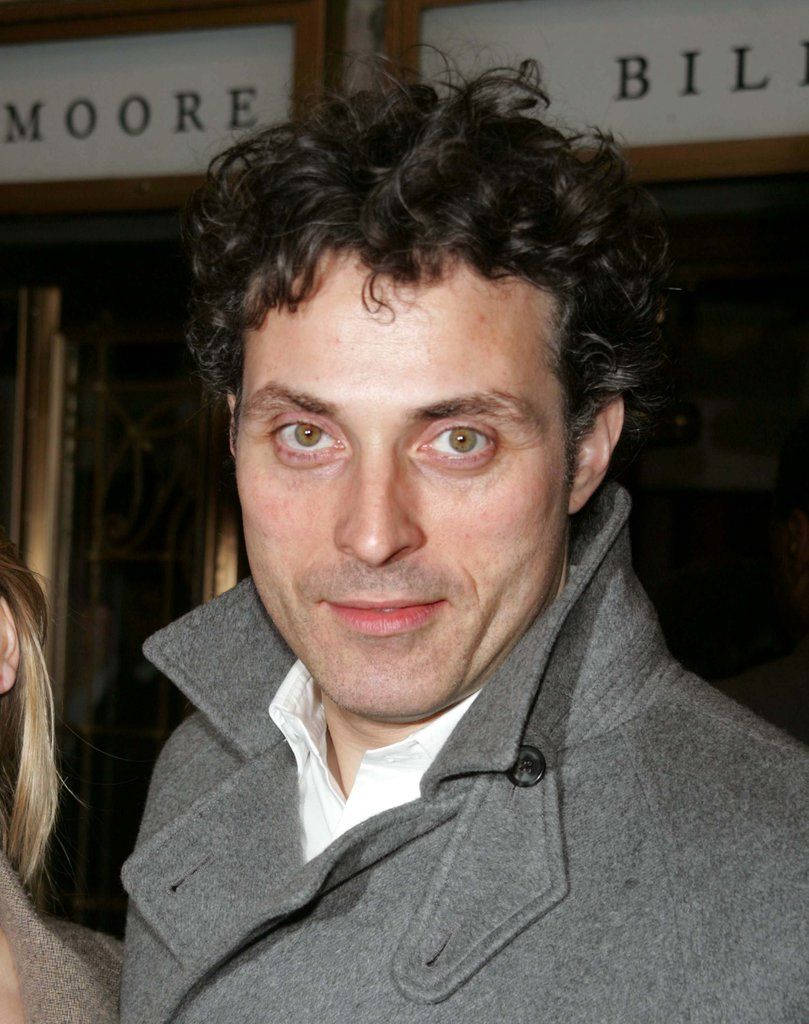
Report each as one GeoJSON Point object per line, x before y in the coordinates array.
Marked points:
{"type": "Point", "coordinates": [272, 397]}
{"type": "Point", "coordinates": [501, 405]}
{"type": "Point", "coordinates": [497, 404]}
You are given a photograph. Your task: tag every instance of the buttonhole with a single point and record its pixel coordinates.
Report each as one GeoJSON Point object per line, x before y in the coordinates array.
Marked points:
{"type": "Point", "coordinates": [176, 885]}
{"type": "Point", "coordinates": [438, 949]}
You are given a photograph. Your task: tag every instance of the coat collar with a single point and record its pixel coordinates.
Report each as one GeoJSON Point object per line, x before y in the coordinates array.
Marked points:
{"type": "Point", "coordinates": [216, 878]}
{"type": "Point", "coordinates": [229, 659]}
{"type": "Point", "coordinates": [563, 681]}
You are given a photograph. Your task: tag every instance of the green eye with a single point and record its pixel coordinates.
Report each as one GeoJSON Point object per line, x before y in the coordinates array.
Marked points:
{"type": "Point", "coordinates": [307, 435]}
{"type": "Point", "coordinates": [303, 441]}
{"type": "Point", "coordinates": [463, 440]}
{"type": "Point", "coordinates": [460, 441]}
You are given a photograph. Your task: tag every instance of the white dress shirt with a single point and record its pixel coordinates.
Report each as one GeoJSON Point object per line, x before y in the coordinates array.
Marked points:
{"type": "Point", "coordinates": [387, 776]}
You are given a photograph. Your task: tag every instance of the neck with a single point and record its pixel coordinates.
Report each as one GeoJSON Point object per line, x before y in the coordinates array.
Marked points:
{"type": "Point", "coordinates": [349, 735]}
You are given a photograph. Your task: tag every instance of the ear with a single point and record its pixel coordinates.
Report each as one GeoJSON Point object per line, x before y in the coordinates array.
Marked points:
{"type": "Point", "coordinates": [232, 427]}
{"type": "Point", "coordinates": [595, 452]}
{"type": "Point", "coordinates": [9, 648]}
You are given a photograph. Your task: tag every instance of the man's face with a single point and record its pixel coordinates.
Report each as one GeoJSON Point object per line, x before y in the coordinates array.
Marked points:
{"type": "Point", "coordinates": [402, 481]}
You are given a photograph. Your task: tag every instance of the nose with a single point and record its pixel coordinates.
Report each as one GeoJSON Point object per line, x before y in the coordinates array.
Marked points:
{"type": "Point", "coordinates": [379, 520]}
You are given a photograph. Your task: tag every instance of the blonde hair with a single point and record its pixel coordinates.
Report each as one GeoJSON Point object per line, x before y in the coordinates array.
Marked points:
{"type": "Point", "coordinates": [29, 780]}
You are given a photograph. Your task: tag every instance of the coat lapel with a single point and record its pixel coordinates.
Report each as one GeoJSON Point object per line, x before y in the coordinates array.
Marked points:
{"type": "Point", "coordinates": [231, 868]}
{"type": "Point", "coordinates": [199, 878]}
{"type": "Point", "coordinates": [505, 866]}
{"type": "Point", "coordinates": [503, 869]}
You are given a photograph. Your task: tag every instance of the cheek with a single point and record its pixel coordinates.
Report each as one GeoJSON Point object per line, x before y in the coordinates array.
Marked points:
{"type": "Point", "coordinates": [527, 504]}
{"type": "Point", "coordinates": [500, 530]}
{"type": "Point", "coordinates": [280, 524]}
{"type": "Point", "coordinates": [267, 513]}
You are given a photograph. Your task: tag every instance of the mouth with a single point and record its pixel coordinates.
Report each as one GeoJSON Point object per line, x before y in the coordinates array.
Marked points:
{"type": "Point", "coordinates": [385, 618]}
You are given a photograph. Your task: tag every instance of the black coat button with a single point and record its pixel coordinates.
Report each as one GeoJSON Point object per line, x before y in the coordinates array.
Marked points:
{"type": "Point", "coordinates": [529, 767]}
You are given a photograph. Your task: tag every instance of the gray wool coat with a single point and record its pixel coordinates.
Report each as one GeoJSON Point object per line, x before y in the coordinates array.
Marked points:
{"type": "Point", "coordinates": [657, 872]}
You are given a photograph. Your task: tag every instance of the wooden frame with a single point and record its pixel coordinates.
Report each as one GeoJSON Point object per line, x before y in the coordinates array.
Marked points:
{"type": "Point", "coordinates": [25, 22]}
{"type": "Point", "coordinates": [734, 158]}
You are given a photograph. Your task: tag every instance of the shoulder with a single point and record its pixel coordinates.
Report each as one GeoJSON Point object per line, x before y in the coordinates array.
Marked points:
{"type": "Point", "coordinates": [724, 781]}
{"type": "Point", "coordinates": [693, 730]}
{"type": "Point", "coordinates": [97, 954]}
{"type": "Point", "coordinates": [73, 975]}
{"type": "Point", "coordinates": [66, 972]}
{"type": "Point", "coordinates": [193, 760]}
{"type": "Point", "coordinates": [96, 947]}
{"type": "Point", "coordinates": [725, 795]}
{"type": "Point", "coordinates": [777, 690]}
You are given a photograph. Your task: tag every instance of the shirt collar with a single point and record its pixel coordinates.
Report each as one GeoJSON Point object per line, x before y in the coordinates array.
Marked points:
{"type": "Point", "coordinates": [298, 713]}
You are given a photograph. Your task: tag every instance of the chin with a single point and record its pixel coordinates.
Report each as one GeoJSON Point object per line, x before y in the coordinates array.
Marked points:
{"type": "Point", "coordinates": [382, 700]}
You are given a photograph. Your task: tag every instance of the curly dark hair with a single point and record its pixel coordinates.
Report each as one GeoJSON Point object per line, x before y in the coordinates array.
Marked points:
{"type": "Point", "coordinates": [411, 179]}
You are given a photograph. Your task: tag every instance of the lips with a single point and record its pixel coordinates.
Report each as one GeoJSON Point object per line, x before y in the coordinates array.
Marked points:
{"type": "Point", "coordinates": [385, 619]}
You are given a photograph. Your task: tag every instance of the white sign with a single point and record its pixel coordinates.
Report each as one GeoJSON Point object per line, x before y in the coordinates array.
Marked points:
{"type": "Point", "coordinates": [653, 71]}
{"type": "Point", "coordinates": [134, 105]}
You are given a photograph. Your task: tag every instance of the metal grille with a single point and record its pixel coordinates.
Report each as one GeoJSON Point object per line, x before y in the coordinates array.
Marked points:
{"type": "Point", "coordinates": [135, 450]}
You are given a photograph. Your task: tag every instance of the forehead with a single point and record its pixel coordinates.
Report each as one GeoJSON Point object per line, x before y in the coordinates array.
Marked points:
{"type": "Point", "coordinates": [462, 333]}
